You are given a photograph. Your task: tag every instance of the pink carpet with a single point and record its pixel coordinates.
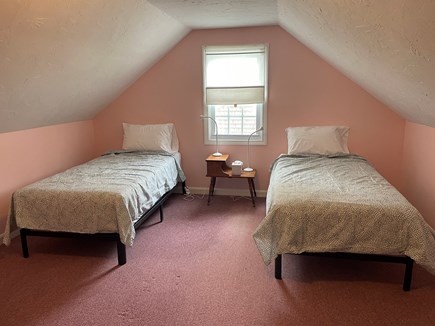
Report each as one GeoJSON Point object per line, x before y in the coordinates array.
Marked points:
{"type": "Point", "coordinates": [201, 267]}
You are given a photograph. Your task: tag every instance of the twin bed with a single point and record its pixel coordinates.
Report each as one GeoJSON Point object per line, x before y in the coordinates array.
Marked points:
{"type": "Point", "coordinates": [106, 198]}
{"type": "Point", "coordinates": [322, 200]}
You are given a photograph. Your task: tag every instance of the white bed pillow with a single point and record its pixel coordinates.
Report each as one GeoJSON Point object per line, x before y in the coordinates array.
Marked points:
{"type": "Point", "coordinates": [151, 137]}
{"type": "Point", "coordinates": [322, 140]}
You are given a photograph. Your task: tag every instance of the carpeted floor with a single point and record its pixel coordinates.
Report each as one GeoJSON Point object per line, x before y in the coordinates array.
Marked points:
{"type": "Point", "coordinates": [201, 267]}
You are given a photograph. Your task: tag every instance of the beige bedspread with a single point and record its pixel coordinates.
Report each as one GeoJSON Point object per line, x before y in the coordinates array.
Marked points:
{"type": "Point", "coordinates": [339, 204]}
{"type": "Point", "coordinates": [105, 195]}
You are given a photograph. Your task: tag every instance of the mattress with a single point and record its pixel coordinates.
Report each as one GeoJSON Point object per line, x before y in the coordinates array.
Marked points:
{"type": "Point", "coordinates": [339, 204]}
{"type": "Point", "coordinates": [105, 195]}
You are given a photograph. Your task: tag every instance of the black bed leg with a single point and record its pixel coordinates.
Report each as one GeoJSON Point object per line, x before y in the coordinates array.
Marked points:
{"type": "Point", "coordinates": [161, 213]}
{"type": "Point", "coordinates": [278, 261]}
{"type": "Point", "coordinates": [408, 275]}
{"type": "Point", "coordinates": [25, 248]}
{"type": "Point", "coordinates": [183, 185]}
{"type": "Point", "coordinates": [122, 256]}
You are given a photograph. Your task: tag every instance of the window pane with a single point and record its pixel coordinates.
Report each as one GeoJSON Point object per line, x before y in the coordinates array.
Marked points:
{"type": "Point", "coordinates": [250, 125]}
{"type": "Point", "coordinates": [236, 121]}
{"type": "Point", "coordinates": [235, 110]}
{"type": "Point", "coordinates": [235, 126]}
{"type": "Point", "coordinates": [223, 123]}
{"type": "Point", "coordinates": [221, 110]}
{"type": "Point", "coordinates": [250, 110]}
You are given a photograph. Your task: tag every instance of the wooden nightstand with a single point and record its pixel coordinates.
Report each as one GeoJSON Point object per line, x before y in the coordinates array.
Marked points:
{"type": "Point", "coordinates": [217, 168]}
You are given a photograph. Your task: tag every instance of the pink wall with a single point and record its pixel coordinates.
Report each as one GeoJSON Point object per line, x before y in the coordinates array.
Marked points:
{"type": "Point", "coordinates": [303, 90]}
{"type": "Point", "coordinates": [419, 169]}
{"type": "Point", "coordinates": [33, 154]}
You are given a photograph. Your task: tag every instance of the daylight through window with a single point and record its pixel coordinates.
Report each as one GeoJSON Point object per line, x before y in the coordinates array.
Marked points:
{"type": "Point", "coordinates": [235, 92]}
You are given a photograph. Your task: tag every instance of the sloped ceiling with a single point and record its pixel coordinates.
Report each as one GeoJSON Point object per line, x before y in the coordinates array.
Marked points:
{"type": "Point", "coordinates": [65, 60]}
{"type": "Point", "coordinates": [386, 46]}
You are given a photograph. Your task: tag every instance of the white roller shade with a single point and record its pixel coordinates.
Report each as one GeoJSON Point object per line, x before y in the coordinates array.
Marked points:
{"type": "Point", "coordinates": [234, 95]}
{"type": "Point", "coordinates": [234, 75]}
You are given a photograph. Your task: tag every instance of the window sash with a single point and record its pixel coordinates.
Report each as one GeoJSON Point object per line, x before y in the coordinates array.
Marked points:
{"type": "Point", "coordinates": [224, 134]}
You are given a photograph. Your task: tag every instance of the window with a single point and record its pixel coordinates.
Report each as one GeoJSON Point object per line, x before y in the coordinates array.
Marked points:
{"type": "Point", "coordinates": [235, 93]}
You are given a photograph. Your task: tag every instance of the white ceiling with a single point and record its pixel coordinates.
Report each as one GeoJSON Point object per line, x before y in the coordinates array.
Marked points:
{"type": "Point", "coordinates": [64, 61]}
{"type": "Point", "coordinates": [202, 14]}
{"type": "Point", "coordinates": [386, 46]}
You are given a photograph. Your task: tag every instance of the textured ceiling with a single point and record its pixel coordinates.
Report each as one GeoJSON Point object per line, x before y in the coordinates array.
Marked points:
{"type": "Point", "coordinates": [386, 46]}
{"type": "Point", "coordinates": [65, 60]}
{"type": "Point", "coordinates": [202, 14]}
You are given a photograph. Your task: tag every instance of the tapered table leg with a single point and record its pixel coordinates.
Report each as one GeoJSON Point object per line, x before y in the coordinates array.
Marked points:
{"type": "Point", "coordinates": [211, 189]}
{"type": "Point", "coordinates": [251, 190]}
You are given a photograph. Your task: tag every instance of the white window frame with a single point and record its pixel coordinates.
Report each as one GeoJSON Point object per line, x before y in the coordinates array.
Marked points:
{"type": "Point", "coordinates": [259, 138]}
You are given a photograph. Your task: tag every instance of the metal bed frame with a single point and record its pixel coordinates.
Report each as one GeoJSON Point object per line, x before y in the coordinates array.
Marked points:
{"type": "Point", "coordinates": [122, 257]}
{"type": "Point", "coordinates": [409, 263]}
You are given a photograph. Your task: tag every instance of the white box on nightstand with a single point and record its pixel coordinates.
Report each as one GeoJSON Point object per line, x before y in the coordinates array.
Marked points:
{"type": "Point", "coordinates": [237, 167]}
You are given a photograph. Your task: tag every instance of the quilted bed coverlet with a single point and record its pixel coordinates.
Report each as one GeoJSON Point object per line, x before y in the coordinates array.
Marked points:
{"type": "Point", "coordinates": [339, 204]}
{"type": "Point", "coordinates": [105, 195]}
